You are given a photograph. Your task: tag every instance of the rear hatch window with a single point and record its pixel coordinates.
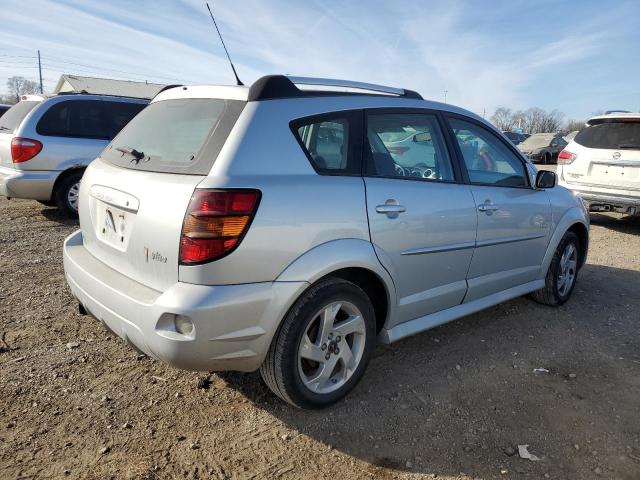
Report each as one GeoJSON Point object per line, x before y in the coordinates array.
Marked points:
{"type": "Point", "coordinates": [14, 116]}
{"type": "Point", "coordinates": [616, 134]}
{"type": "Point", "coordinates": [175, 136]}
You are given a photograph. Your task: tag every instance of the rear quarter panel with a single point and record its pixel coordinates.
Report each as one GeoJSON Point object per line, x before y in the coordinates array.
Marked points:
{"type": "Point", "coordinates": [299, 209]}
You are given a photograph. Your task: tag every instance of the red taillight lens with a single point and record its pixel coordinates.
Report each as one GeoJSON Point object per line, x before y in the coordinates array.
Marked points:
{"type": "Point", "coordinates": [565, 157]}
{"type": "Point", "coordinates": [23, 149]}
{"type": "Point", "coordinates": [215, 223]}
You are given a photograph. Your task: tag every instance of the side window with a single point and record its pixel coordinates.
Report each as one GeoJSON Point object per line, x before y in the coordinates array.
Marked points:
{"type": "Point", "coordinates": [488, 160]}
{"type": "Point", "coordinates": [407, 145]}
{"type": "Point", "coordinates": [328, 143]}
{"type": "Point", "coordinates": [73, 118]}
{"type": "Point", "coordinates": [87, 119]}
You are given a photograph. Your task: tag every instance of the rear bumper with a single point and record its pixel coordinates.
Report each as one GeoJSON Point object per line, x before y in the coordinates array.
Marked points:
{"type": "Point", "coordinates": [607, 201]}
{"type": "Point", "coordinates": [33, 184]}
{"type": "Point", "coordinates": [232, 324]}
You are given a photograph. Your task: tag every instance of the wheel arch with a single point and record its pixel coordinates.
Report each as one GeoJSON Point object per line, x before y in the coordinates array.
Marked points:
{"type": "Point", "coordinates": [353, 260]}
{"type": "Point", "coordinates": [64, 174]}
{"type": "Point", "coordinates": [575, 220]}
{"type": "Point", "coordinates": [582, 233]}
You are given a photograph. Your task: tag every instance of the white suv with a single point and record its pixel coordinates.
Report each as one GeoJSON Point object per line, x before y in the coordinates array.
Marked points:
{"type": "Point", "coordinates": [602, 163]}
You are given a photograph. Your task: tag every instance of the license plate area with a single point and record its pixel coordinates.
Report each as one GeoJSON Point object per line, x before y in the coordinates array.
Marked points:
{"type": "Point", "coordinates": [612, 172]}
{"type": "Point", "coordinates": [113, 225]}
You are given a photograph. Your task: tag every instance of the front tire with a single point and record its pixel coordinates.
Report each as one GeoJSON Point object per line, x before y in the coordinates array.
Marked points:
{"type": "Point", "coordinates": [322, 348]}
{"type": "Point", "coordinates": [66, 194]}
{"type": "Point", "coordinates": [562, 274]}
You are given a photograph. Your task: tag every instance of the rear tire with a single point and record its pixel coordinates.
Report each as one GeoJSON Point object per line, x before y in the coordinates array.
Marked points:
{"type": "Point", "coordinates": [66, 194]}
{"type": "Point", "coordinates": [547, 159]}
{"type": "Point", "coordinates": [562, 274]}
{"type": "Point", "coordinates": [323, 346]}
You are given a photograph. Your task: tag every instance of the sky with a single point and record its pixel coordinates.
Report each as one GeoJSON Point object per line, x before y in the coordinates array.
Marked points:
{"type": "Point", "coordinates": [578, 57]}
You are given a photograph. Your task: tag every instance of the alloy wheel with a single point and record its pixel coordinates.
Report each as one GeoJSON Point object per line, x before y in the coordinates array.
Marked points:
{"type": "Point", "coordinates": [331, 347]}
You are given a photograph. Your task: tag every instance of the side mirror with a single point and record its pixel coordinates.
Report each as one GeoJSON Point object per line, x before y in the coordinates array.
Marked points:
{"type": "Point", "coordinates": [545, 179]}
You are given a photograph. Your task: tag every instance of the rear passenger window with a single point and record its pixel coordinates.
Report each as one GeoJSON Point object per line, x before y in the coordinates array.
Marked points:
{"type": "Point", "coordinates": [407, 145]}
{"type": "Point", "coordinates": [488, 160]}
{"type": "Point", "coordinates": [95, 119]}
{"type": "Point", "coordinates": [328, 142]}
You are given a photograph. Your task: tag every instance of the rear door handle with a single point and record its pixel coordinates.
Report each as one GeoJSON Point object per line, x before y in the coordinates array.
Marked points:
{"type": "Point", "coordinates": [391, 208]}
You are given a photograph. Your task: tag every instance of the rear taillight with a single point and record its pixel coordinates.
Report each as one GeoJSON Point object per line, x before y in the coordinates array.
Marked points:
{"type": "Point", "coordinates": [565, 157]}
{"type": "Point", "coordinates": [23, 149]}
{"type": "Point", "coordinates": [215, 223]}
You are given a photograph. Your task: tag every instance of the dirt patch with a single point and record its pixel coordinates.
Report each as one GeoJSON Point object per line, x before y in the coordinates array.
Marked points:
{"type": "Point", "coordinates": [453, 402]}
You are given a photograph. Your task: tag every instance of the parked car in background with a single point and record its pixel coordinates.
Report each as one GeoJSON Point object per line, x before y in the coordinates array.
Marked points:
{"type": "Point", "coordinates": [515, 137]}
{"type": "Point", "coordinates": [272, 228]}
{"type": "Point", "coordinates": [543, 147]}
{"type": "Point", "coordinates": [570, 136]}
{"type": "Point", "coordinates": [602, 163]}
{"type": "Point", "coordinates": [46, 143]}
{"type": "Point", "coordinates": [4, 108]}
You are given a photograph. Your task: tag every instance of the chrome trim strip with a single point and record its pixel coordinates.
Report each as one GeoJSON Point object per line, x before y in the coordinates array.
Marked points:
{"type": "Point", "coordinates": [467, 245]}
{"type": "Point", "coordinates": [499, 241]}
{"type": "Point", "coordinates": [440, 248]}
{"type": "Point", "coordinates": [617, 163]}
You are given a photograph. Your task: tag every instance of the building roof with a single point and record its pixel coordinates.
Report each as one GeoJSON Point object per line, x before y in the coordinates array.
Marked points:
{"type": "Point", "coordinates": [106, 86]}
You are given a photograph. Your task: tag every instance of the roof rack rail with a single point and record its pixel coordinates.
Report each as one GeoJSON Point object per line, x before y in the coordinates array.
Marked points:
{"type": "Point", "coordinates": [282, 86]}
{"type": "Point", "coordinates": [84, 92]}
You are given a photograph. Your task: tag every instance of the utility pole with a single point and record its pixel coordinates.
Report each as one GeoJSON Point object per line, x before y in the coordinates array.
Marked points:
{"type": "Point", "coordinates": [40, 71]}
{"type": "Point", "coordinates": [445, 95]}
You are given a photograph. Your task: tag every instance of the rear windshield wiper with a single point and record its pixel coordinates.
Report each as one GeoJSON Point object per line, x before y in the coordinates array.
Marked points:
{"type": "Point", "coordinates": [629, 145]}
{"type": "Point", "coordinates": [137, 156]}
{"type": "Point", "coordinates": [2, 127]}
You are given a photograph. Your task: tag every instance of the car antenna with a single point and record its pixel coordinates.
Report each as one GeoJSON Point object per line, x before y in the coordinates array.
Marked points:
{"type": "Point", "coordinates": [238, 82]}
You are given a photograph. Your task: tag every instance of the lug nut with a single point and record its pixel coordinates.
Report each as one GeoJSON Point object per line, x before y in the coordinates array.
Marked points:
{"type": "Point", "coordinates": [323, 346]}
{"type": "Point", "coordinates": [330, 336]}
{"type": "Point", "coordinates": [336, 350]}
{"type": "Point", "coordinates": [327, 356]}
{"type": "Point", "coordinates": [338, 338]}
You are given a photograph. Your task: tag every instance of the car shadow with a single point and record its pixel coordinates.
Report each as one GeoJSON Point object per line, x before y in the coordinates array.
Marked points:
{"type": "Point", "coordinates": [461, 397]}
{"type": "Point", "coordinates": [616, 221]}
{"type": "Point", "coordinates": [55, 215]}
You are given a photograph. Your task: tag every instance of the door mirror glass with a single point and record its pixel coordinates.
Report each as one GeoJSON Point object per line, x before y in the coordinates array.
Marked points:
{"type": "Point", "coordinates": [545, 179]}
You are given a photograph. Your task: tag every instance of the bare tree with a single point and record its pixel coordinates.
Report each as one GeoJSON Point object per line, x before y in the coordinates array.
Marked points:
{"type": "Point", "coordinates": [503, 118]}
{"type": "Point", "coordinates": [573, 125]}
{"type": "Point", "coordinates": [537, 120]}
{"type": "Point", "coordinates": [19, 86]}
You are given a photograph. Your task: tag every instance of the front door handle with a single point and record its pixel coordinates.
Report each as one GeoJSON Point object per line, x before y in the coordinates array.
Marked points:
{"type": "Point", "coordinates": [488, 207]}
{"type": "Point", "coordinates": [391, 208]}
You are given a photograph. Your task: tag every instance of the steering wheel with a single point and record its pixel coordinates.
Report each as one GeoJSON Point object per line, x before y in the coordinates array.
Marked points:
{"type": "Point", "coordinates": [400, 171]}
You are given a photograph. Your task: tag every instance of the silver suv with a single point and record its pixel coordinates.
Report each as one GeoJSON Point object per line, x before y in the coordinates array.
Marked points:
{"type": "Point", "coordinates": [45, 144]}
{"type": "Point", "coordinates": [287, 226]}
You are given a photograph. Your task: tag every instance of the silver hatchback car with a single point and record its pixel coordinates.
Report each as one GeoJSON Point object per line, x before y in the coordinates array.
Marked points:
{"type": "Point", "coordinates": [287, 226]}
{"type": "Point", "coordinates": [46, 143]}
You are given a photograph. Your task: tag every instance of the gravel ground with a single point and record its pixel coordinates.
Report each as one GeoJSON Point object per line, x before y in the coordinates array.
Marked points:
{"type": "Point", "coordinates": [451, 403]}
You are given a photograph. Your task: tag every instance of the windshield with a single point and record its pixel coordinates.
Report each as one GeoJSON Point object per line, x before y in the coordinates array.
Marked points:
{"type": "Point", "coordinates": [14, 116]}
{"type": "Point", "coordinates": [612, 134]}
{"type": "Point", "coordinates": [167, 136]}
